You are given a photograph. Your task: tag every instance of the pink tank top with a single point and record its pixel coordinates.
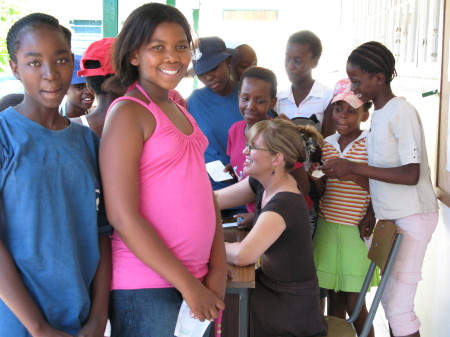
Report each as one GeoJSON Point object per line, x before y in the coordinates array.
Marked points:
{"type": "Point", "coordinates": [175, 197]}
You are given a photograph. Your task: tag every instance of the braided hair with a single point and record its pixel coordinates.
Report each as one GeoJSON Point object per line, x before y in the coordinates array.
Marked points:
{"type": "Point", "coordinates": [30, 22]}
{"type": "Point", "coordinates": [373, 57]}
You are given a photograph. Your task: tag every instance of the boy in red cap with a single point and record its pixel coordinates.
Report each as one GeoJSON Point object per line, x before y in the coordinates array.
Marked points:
{"type": "Point", "coordinates": [97, 67]}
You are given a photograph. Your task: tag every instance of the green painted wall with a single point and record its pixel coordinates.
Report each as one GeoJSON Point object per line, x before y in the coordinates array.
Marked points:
{"type": "Point", "coordinates": [110, 18]}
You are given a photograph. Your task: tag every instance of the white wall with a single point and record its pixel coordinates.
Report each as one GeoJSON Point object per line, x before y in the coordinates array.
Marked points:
{"type": "Point", "coordinates": [433, 299]}
{"type": "Point", "coordinates": [269, 38]}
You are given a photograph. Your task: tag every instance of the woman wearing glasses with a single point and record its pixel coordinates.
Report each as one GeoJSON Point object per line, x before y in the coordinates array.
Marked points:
{"type": "Point", "coordinates": [286, 298]}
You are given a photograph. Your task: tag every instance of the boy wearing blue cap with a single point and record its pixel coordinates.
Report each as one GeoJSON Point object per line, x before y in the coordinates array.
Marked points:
{"type": "Point", "coordinates": [79, 98]}
{"type": "Point", "coordinates": [215, 107]}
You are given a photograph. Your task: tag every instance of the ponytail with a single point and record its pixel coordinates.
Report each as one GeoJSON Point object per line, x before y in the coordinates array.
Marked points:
{"type": "Point", "coordinates": [312, 141]}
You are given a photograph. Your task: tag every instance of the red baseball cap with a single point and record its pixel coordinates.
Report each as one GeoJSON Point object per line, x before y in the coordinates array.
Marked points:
{"type": "Point", "coordinates": [100, 51]}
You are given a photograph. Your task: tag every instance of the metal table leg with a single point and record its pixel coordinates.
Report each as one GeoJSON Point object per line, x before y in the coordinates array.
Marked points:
{"type": "Point", "coordinates": [243, 309]}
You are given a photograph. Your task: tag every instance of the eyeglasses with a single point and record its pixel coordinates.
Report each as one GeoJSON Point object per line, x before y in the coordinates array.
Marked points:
{"type": "Point", "coordinates": [249, 147]}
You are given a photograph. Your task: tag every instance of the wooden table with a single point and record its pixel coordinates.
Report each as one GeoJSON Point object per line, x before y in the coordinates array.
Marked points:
{"type": "Point", "coordinates": [243, 279]}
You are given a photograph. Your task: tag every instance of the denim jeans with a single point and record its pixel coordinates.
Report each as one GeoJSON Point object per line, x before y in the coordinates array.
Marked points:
{"type": "Point", "coordinates": [145, 312]}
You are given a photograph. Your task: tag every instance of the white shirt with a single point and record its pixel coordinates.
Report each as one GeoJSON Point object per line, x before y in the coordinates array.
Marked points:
{"type": "Point", "coordinates": [84, 120]}
{"type": "Point", "coordinates": [315, 103]}
{"type": "Point", "coordinates": [395, 139]}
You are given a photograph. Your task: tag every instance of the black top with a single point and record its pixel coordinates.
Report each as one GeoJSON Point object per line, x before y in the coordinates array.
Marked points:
{"type": "Point", "coordinates": [290, 258]}
{"type": "Point", "coordinates": [285, 301]}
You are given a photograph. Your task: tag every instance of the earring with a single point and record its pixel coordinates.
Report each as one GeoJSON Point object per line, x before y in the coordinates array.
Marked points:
{"type": "Point", "coordinates": [273, 170]}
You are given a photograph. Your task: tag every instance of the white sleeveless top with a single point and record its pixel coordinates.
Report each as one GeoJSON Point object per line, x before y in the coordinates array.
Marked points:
{"type": "Point", "coordinates": [84, 120]}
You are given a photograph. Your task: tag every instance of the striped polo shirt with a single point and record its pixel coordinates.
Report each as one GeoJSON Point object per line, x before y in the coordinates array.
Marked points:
{"type": "Point", "coordinates": [344, 202]}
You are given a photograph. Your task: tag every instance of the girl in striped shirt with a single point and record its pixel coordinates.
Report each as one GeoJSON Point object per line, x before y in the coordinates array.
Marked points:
{"type": "Point", "coordinates": [339, 251]}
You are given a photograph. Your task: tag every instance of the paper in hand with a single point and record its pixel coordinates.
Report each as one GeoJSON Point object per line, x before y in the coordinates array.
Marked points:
{"type": "Point", "coordinates": [188, 326]}
{"type": "Point", "coordinates": [215, 170]}
{"type": "Point", "coordinates": [368, 241]}
{"type": "Point", "coordinates": [317, 174]}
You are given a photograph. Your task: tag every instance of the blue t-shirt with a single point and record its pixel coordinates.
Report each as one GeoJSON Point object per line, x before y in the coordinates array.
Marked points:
{"type": "Point", "coordinates": [51, 217]}
{"type": "Point", "coordinates": [215, 115]}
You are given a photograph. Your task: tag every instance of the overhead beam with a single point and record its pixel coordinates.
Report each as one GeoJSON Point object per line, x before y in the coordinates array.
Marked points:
{"type": "Point", "coordinates": [110, 18]}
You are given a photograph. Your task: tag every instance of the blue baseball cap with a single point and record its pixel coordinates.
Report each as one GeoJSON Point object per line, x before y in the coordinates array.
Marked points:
{"type": "Point", "coordinates": [213, 52]}
{"type": "Point", "coordinates": [76, 67]}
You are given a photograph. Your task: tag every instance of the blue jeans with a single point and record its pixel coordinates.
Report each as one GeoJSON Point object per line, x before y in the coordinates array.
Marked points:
{"type": "Point", "coordinates": [145, 312]}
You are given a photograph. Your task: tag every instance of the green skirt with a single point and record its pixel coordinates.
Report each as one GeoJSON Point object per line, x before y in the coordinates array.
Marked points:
{"type": "Point", "coordinates": [341, 257]}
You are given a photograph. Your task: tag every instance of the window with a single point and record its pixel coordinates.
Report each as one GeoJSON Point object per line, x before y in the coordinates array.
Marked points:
{"type": "Point", "coordinates": [250, 15]}
{"type": "Point", "coordinates": [84, 32]}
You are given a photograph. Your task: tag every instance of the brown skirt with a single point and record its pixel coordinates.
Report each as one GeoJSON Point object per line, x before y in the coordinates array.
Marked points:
{"type": "Point", "coordinates": [286, 309]}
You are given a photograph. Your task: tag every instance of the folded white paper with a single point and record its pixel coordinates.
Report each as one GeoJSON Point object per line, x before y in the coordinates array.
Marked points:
{"type": "Point", "coordinates": [317, 173]}
{"type": "Point", "coordinates": [215, 170]}
{"type": "Point", "coordinates": [188, 326]}
{"type": "Point", "coordinates": [368, 241]}
{"type": "Point", "coordinates": [229, 224]}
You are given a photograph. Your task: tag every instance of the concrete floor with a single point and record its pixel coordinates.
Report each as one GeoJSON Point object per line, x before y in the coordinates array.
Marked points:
{"type": "Point", "coordinates": [380, 323]}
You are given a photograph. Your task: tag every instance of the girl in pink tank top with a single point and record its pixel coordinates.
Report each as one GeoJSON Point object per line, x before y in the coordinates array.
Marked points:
{"type": "Point", "coordinates": [168, 242]}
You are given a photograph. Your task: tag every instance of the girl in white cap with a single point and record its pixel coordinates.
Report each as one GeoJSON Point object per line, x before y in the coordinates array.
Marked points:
{"type": "Point", "coordinates": [340, 253]}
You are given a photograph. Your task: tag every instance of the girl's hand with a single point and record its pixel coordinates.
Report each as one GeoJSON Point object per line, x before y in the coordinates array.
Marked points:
{"type": "Point", "coordinates": [244, 220]}
{"type": "Point", "coordinates": [367, 223]}
{"type": "Point", "coordinates": [204, 304]}
{"type": "Point", "coordinates": [92, 328]}
{"type": "Point", "coordinates": [337, 168]}
{"type": "Point", "coordinates": [48, 331]}
{"type": "Point", "coordinates": [313, 167]}
{"type": "Point", "coordinates": [228, 168]}
{"type": "Point", "coordinates": [216, 281]}
{"type": "Point", "coordinates": [318, 180]}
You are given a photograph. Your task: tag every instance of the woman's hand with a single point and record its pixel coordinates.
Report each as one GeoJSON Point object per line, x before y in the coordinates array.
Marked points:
{"type": "Point", "coordinates": [245, 220]}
